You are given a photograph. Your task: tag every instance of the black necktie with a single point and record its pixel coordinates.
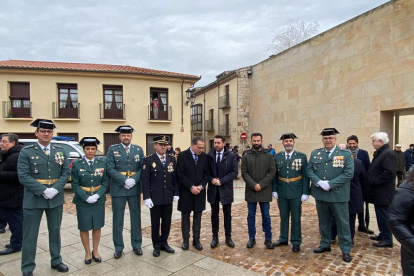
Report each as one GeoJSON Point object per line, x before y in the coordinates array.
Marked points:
{"type": "Point", "coordinates": [90, 164]}
{"type": "Point", "coordinates": [287, 157]}
{"type": "Point", "coordinates": [163, 161]}
{"type": "Point", "coordinates": [218, 162]}
{"type": "Point", "coordinates": [195, 158]}
{"type": "Point", "coordinates": [327, 153]}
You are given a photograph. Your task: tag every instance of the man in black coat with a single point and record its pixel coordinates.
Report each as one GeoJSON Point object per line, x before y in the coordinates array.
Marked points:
{"type": "Point", "coordinates": [160, 189]}
{"type": "Point", "coordinates": [352, 144]}
{"type": "Point", "coordinates": [11, 191]}
{"type": "Point", "coordinates": [192, 171]}
{"type": "Point", "coordinates": [381, 186]}
{"type": "Point", "coordinates": [223, 167]}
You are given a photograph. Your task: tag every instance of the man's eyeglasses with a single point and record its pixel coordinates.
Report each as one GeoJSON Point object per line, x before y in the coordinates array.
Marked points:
{"type": "Point", "coordinates": [328, 138]}
{"type": "Point", "coordinates": [41, 131]}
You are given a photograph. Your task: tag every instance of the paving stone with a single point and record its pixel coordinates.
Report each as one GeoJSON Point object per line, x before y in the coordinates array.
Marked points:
{"type": "Point", "coordinates": [192, 270]}
{"type": "Point", "coordinates": [98, 269]}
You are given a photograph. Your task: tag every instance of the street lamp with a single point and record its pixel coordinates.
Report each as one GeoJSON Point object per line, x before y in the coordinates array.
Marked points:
{"type": "Point", "coordinates": [189, 94]}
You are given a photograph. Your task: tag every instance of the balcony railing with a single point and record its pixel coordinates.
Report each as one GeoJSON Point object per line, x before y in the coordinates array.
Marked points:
{"type": "Point", "coordinates": [20, 109]}
{"type": "Point", "coordinates": [224, 101]}
{"type": "Point", "coordinates": [65, 112]}
{"type": "Point", "coordinates": [160, 115]}
{"type": "Point", "coordinates": [209, 125]}
{"type": "Point", "coordinates": [113, 112]}
{"type": "Point", "coordinates": [225, 130]}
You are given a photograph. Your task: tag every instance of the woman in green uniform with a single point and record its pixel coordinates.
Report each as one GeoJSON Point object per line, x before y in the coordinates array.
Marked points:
{"type": "Point", "coordinates": [89, 182]}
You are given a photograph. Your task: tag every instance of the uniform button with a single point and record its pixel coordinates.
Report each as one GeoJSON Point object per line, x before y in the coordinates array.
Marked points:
{"type": "Point", "coordinates": [165, 186]}
{"type": "Point", "coordinates": [165, 181]}
{"type": "Point", "coordinates": [92, 180]}
{"type": "Point", "coordinates": [49, 170]}
{"type": "Point", "coordinates": [49, 176]}
{"type": "Point", "coordinates": [326, 164]}
{"type": "Point", "coordinates": [91, 173]}
{"type": "Point", "coordinates": [324, 177]}
{"type": "Point", "coordinates": [48, 162]}
{"type": "Point", "coordinates": [325, 170]}
{"type": "Point", "coordinates": [288, 167]}
{"type": "Point", "coordinates": [287, 172]}
{"type": "Point", "coordinates": [165, 175]}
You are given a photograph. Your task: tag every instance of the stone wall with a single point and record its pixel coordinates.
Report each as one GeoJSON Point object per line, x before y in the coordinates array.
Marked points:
{"type": "Point", "coordinates": [343, 78]}
{"type": "Point", "coordinates": [243, 102]}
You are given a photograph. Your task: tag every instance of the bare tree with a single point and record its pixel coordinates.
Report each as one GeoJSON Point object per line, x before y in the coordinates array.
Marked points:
{"type": "Point", "coordinates": [295, 33]}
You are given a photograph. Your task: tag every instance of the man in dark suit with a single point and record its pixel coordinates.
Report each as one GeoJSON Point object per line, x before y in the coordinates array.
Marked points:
{"type": "Point", "coordinates": [160, 189]}
{"type": "Point", "coordinates": [223, 170]}
{"type": "Point", "coordinates": [192, 170]}
{"type": "Point", "coordinates": [360, 154]}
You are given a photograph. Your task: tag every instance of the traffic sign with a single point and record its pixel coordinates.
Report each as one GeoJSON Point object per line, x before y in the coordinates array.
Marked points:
{"type": "Point", "coordinates": [243, 136]}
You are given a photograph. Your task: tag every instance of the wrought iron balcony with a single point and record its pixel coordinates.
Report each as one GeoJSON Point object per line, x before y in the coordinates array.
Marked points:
{"type": "Point", "coordinates": [62, 111]}
{"type": "Point", "coordinates": [209, 125]}
{"type": "Point", "coordinates": [112, 111]}
{"type": "Point", "coordinates": [17, 109]}
{"type": "Point", "coordinates": [224, 101]}
{"type": "Point", "coordinates": [163, 113]}
{"type": "Point", "coordinates": [225, 130]}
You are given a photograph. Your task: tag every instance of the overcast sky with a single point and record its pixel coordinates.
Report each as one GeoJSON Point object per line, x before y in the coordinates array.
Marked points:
{"type": "Point", "coordinates": [195, 37]}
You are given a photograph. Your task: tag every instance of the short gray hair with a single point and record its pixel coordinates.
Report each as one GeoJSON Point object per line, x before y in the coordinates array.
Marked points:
{"type": "Point", "coordinates": [195, 140]}
{"type": "Point", "coordinates": [381, 136]}
{"type": "Point", "coordinates": [12, 138]}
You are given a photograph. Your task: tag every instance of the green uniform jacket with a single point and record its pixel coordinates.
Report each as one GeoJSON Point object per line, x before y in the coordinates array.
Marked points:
{"type": "Point", "coordinates": [35, 164]}
{"type": "Point", "coordinates": [295, 167]}
{"type": "Point", "coordinates": [118, 161]}
{"type": "Point", "coordinates": [84, 175]}
{"type": "Point", "coordinates": [338, 169]}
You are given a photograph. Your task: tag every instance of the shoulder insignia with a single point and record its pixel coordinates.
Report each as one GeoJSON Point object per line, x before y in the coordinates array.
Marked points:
{"type": "Point", "coordinates": [114, 145]}
{"type": "Point", "coordinates": [280, 152]}
{"type": "Point", "coordinates": [299, 152]}
{"type": "Point", "coordinates": [78, 160]}
{"type": "Point", "coordinates": [57, 146]}
{"type": "Point", "coordinates": [148, 156]}
{"type": "Point", "coordinates": [29, 146]}
{"type": "Point", "coordinates": [100, 159]}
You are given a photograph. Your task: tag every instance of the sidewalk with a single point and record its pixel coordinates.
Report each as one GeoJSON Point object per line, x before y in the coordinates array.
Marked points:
{"type": "Point", "coordinates": [219, 261]}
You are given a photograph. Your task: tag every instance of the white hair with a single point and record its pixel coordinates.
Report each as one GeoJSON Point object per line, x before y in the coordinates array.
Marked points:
{"type": "Point", "coordinates": [381, 136]}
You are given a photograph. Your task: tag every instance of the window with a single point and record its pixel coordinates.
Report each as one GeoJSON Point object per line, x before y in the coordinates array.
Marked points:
{"type": "Point", "coordinates": [109, 140]}
{"type": "Point", "coordinates": [159, 104]}
{"type": "Point", "coordinates": [19, 100]}
{"type": "Point", "coordinates": [68, 95]}
{"type": "Point", "coordinates": [196, 118]}
{"type": "Point", "coordinates": [113, 97]}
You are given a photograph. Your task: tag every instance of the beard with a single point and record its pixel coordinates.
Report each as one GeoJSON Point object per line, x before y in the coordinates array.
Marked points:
{"type": "Point", "coordinates": [256, 146]}
{"type": "Point", "coordinates": [289, 148]}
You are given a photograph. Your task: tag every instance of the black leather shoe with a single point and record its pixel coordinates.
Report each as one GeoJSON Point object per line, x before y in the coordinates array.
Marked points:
{"type": "Point", "coordinates": [61, 267]}
{"type": "Point", "coordinates": [295, 248]}
{"type": "Point", "coordinates": [383, 244]}
{"type": "Point", "coordinates": [7, 245]}
{"type": "Point", "coordinates": [370, 232]}
{"type": "Point", "coordinates": [185, 244]}
{"type": "Point", "coordinates": [346, 257]}
{"type": "Point", "coordinates": [167, 249]}
{"type": "Point", "coordinates": [322, 249]}
{"type": "Point", "coordinates": [98, 260]}
{"type": "Point", "coordinates": [214, 242]}
{"type": "Point", "coordinates": [156, 252]}
{"type": "Point", "coordinates": [197, 245]}
{"type": "Point", "coordinates": [363, 229]}
{"type": "Point", "coordinates": [269, 244]}
{"type": "Point", "coordinates": [30, 273]}
{"type": "Point", "coordinates": [9, 250]}
{"type": "Point", "coordinates": [251, 243]}
{"type": "Point", "coordinates": [117, 254]}
{"type": "Point", "coordinates": [88, 262]}
{"type": "Point", "coordinates": [2, 230]}
{"type": "Point", "coordinates": [279, 243]}
{"type": "Point", "coordinates": [138, 251]}
{"type": "Point", "coordinates": [229, 242]}
{"type": "Point", "coordinates": [333, 241]}
{"type": "Point", "coordinates": [376, 238]}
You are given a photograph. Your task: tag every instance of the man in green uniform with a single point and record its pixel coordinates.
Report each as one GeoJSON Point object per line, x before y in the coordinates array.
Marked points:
{"type": "Point", "coordinates": [43, 169]}
{"type": "Point", "coordinates": [330, 170]}
{"type": "Point", "coordinates": [290, 188]}
{"type": "Point", "coordinates": [124, 163]}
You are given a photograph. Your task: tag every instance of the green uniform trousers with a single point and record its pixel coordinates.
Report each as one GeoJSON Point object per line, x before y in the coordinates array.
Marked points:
{"type": "Point", "coordinates": [31, 224]}
{"type": "Point", "coordinates": [118, 211]}
{"type": "Point", "coordinates": [292, 208]}
{"type": "Point", "coordinates": [340, 211]}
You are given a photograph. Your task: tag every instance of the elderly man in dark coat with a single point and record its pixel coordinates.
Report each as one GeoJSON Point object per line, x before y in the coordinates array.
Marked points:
{"type": "Point", "coordinates": [381, 186]}
{"type": "Point", "coordinates": [223, 167]}
{"type": "Point", "coordinates": [356, 202]}
{"type": "Point", "coordinates": [11, 191]}
{"type": "Point", "coordinates": [192, 171]}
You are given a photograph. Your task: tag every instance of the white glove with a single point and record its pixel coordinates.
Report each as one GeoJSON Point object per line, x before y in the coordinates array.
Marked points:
{"type": "Point", "coordinates": [130, 182]}
{"type": "Point", "coordinates": [148, 203]}
{"type": "Point", "coordinates": [126, 187]}
{"type": "Point", "coordinates": [324, 185]}
{"type": "Point", "coordinates": [91, 199]}
{"type": "Point", "coordinates": [96, 196]}
{"type": "Point", "coordinates": [274, 194]}
{"type": "Point", "coordinates": [304, 198]}
{"type": "Point", "coordinates": [176, 198]}
{"type": "Point", "coordinates": [50, 193]}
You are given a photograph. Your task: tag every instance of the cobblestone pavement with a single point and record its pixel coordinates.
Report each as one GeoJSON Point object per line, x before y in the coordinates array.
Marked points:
{"type": "Point", "coordinates": [367, 260]}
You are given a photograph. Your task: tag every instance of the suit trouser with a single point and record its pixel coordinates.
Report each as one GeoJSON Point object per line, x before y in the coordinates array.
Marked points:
{"type": "Point", "coordinates": [14, 217]}
{"type": "Point", "coordinates": [340, 211]}
{"type": "Point", "coordinates": [118, 211]}
{"type": "Point", "coordinates": [31, 224]}
{"type": "Point", "coordinates": [3, 221]}
{"type": "Point", "coordinates": [381, 211]}
{"type": "Point", "coordinates": [215, 209]}
{"type": "Point", "coordinates": [334, 231]}
{"type": "Point", "coordinates": [185, 225]}
{"type": "Point", "coordinates": [163, 213]}
{"type": "Point", "coordinates": [292, 208]}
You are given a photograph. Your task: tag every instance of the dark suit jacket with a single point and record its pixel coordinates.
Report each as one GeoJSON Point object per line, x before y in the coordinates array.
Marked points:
{"type": "Point", "coordinates": [227, 173]}
{"type": "Point", "coordinates": [191, 174]}
{"type": "Point", "coordinates": [356, 202]}
{"type": "Point", "coordinates": [364, 157]}
{"type": "Point", "coordinates": [159, 183]}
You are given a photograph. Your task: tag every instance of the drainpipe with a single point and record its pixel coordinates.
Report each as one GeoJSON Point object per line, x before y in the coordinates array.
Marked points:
{"type": "Point", "coordinates": [204, 116]}
{"type": "Point", "coordinates": [182, 105]}
{"type": "Point", "coordinates": [218, 107]}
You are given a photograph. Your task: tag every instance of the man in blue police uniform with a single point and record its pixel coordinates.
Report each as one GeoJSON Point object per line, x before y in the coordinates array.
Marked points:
{"type": "Point", "coordinates": [160, 188]}
{"type": "Point", "coordinates": [124, 162]}
{"type": "Point", "coordinates": [330, 169]}
{"type": "Point", "coordinates": [290, 188]}
{"type": "Point", "coordinates": [43, 170]}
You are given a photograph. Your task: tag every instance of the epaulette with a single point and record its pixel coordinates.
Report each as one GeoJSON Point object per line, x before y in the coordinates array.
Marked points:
{"type": "Point", "coordinates": [299, 152]}
{"type": "Point", "coordinates": [114, 145]}
{"type": "Point", "coordinates": [346, 150]}
{"type": "Point", "coordinates": [56, 146]}
{"type": "Point", "coordinates": [100, 159]}
{"type": "Point", "coordinates": [28, 147]}
{"type": "Point", "coordinates": [148, 156]}
{"type": "Point", "coordinates": [78, 160]}
{"type": "Point", "coordinates": [281, 152]}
